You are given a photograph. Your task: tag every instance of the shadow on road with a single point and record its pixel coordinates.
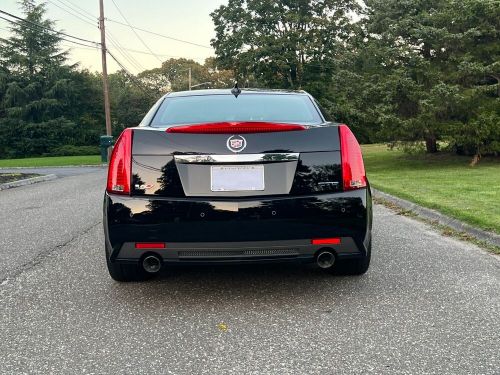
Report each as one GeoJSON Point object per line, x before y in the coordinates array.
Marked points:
{"type": "Point", "coordinates": [271, 286]}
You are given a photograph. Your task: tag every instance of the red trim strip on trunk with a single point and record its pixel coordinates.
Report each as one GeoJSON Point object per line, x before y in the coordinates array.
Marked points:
{"type": "Point", "coordinates": [235, 127]}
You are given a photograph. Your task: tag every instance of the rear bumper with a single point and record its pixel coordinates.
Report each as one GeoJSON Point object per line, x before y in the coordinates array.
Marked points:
{"type": "Point", "coordinates": [243, 230]}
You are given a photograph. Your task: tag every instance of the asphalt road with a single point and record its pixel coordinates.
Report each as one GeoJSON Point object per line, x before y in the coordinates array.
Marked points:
{"type": "Point", "coordinates": [428, 305]}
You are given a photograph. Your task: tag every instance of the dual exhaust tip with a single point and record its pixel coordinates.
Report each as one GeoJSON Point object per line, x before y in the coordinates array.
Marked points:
{"type": "Point", "coordinates": [152, 263]}
{"type": "Point", "coordinates": [325, 259]}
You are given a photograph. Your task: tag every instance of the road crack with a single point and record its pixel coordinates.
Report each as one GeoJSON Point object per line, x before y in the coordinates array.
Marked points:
{"type": "Point", "coordinates": [40, 257]}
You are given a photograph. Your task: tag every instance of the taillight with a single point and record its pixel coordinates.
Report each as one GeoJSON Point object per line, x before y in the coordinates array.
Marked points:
{"type": "Point", "coordinates": [326, 241]}
{"type": "Point", "coordinates": [235, 127]}
{"type": "Point", "coordinates": [353, 169]}
{"type": "Point", "coordinates": [120, 164]}
{"type": "Point", "coordinates": [150, 245]}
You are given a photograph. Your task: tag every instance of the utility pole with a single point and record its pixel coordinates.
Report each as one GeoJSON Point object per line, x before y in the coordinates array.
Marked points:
{"type": "Point", "coordinates": [189, 77]}
{"type": "Point", "coordinates": [105, 84]}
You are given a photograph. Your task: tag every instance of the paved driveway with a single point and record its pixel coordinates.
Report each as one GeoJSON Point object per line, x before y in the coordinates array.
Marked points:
{"type": "Point", "coordinates": [428, 305]}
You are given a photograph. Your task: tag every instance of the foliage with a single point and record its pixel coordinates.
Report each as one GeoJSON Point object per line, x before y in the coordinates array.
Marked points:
{"type": "Point", "coordinates": [42, 99]}
{"type": "Point", "coordinates": [281, 44]}
{"type": "Point", "coordinates": [173, 75]}
{"type": "Point", "coordinates": [412, 72]}
{"type": "Point", "coordinates": [440, 181]}
{"type": "Point", "coordinates": [418, 74]}
{"type": "Point", "coordinates": [69, 150]}
{"type": "Point", "coordinates": [50, 108]}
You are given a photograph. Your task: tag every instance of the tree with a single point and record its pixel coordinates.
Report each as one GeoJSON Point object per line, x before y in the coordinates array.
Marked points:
{"type": "Point", "coordinates": [173, 75]}
{"type": "Point", "coordinates": [439, 61]}
{"type": "Point", "coordinates": [281, 44]}
{"type": "Point", "coordinates": [41, 98]}
{"type": "Point", "coordinates": [32, 50]}
{"type": "Point", "coordinates": [130, 100]}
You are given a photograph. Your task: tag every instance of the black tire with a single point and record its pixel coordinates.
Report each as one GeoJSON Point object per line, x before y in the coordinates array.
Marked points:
{"type": "Point", "coordinates": [127, 272]}
{"type": "Point", "coordinates": [357, 266]}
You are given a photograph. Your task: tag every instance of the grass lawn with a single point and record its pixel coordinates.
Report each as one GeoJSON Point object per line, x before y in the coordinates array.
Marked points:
{"type": "Point", "coordinates": [444, 182]}
{"type": "Point", "coordinates": [52, 161]}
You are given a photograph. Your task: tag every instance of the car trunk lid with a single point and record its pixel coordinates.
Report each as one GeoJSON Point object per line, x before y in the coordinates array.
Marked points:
{"type": "Point", "coordinates": [236, 164]}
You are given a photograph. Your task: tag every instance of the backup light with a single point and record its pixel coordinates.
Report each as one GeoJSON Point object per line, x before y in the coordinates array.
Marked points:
{"type": "Point", "coordinates": [120, 164]}
{"type": "Point", "coordinates": [326, 241]}
{"type": "Point", "coordinates": [236, 127]}
{"type": "Point", "coordinates": [353, 168]}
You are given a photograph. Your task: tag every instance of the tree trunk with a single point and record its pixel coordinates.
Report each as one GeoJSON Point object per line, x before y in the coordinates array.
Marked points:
{"type": "Point", "coordinates": [431, 144]}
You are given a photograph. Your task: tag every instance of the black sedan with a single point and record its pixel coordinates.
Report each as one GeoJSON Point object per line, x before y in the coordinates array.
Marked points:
{"type": "Point", "coordinates": [236, 176]}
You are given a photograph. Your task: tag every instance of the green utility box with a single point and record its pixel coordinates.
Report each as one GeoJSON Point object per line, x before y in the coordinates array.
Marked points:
{"type": "Point", "coordinates": [106, 141]}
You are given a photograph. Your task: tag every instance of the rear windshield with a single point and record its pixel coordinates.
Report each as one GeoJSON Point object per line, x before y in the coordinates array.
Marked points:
{"type": "Point", "coordinates": [284, 108]}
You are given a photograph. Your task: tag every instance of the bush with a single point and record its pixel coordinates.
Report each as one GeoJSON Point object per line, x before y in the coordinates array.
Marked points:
{"type": "Point", "coordinates": [70, 150]}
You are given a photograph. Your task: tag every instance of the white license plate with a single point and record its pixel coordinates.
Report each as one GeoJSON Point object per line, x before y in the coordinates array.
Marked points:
{"type": "Point", "coordinates": [237, 177]}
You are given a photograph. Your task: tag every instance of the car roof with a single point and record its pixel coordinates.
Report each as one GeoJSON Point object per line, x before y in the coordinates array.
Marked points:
{"type": "Point", "coordinates": [228, 92]}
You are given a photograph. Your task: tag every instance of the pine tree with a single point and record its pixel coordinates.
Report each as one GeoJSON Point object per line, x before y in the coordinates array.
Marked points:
{"type": "Point", "coordinates": [38, 89]}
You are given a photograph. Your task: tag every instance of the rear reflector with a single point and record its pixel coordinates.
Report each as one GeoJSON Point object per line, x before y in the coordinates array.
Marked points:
{"type": "Point", "coordinates": [120, 164]}
{"type": "Point", "coordinates": [326, 241]}
{"type": "Point", "coordinates": [353, 169]}
{"type": "Point", "coordinates": [150, 245]}
{"type": "Point", "coordinates": [236, 127]}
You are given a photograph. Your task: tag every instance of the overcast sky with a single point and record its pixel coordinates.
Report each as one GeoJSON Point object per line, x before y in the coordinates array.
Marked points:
{"type": "Point", "coordinates": [182, 19]}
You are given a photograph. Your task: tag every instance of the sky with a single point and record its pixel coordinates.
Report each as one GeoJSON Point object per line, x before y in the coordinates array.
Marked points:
{"type": "Point", "coordinates": [188, 20]}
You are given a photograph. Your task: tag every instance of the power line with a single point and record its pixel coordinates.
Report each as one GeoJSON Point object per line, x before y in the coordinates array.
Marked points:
{"type": "Point", "coordinates": [135, 32]}
{"type": "Point", "coordinates": [86, 19]}
{"type": "Point", "coordinates": [157, 34]}
{"type": "Point", "coordinates": [121, 50]}
{"type": "Point", "coordinates": [162, 55]}
{"type": "Point", "coordinates": [94, 44]}
{"type": "Point", "coordinates": [119, 63]}
{"type": "Point", "coordinates": [93, 17]}
{"type": "Point", "coordinates": [133, 78]}
{"type": "Point", "coordinates": [85, 47]}
{"type": "Point", "coordinates": [113, 41]}
{"type": "Point", "coordinates": [45, 27]}
{"type": "Point", "coordinates": [89, 15]}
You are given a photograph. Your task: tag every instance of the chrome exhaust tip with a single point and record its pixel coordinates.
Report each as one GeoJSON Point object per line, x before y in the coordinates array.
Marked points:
{"type": "Point", "coordinates": [151, 264]}
{"type": "Point", "coordinates": [325, 259]}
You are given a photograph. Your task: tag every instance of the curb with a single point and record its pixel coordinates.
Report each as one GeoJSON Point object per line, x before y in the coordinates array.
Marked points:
{"type": "Point", "coordinates": [27, 181]}
{"type": "Point", "coordinates": [433, 215]}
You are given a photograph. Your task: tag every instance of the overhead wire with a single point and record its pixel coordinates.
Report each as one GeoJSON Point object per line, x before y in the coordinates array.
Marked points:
{"type": "Point", "coordinates": [158, 34]}
{"type": "Point", "coordinates": [82, 11]}
{"type": "Point", "coordinates": [45, 27]}
{"type": "Point", "coordinates": [112, 40]}
{"type": "Point", "coordinates": [90, 15]}
{"type": "Point", "coordinates": [133, 78]}
{"type": "Point", "coordinates": [135, 32]}
{"type": "Point", "coordinates": [86, 20]}
{"type": "Point", "coordinates": [92, 44]}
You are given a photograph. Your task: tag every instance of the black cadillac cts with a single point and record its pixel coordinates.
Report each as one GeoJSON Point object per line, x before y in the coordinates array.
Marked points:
{"type": "Point", "coordinates": [236, 176]}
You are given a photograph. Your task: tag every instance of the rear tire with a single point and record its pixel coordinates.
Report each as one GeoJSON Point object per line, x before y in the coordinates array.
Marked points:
{"type": "Point", "coordinates": [126, 272]}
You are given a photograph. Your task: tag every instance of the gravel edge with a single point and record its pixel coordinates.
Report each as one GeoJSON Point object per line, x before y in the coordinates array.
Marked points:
{"type": "Point", "coordinates": [433, 215]}
{"type": "Point", "coordinates": [27, 181]}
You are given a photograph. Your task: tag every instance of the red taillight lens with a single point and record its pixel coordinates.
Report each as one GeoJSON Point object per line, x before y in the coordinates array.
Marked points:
{"type": "Point", "coordinates": [150, 245]}
{"type": "Point", "coordinates": [353, 169]}
{"type": "Point", "coordinates": [326, 241]}
{"type": "Point", "coordinates": [236, 127]}
{"type": "Point", "coordinates": [120, 164]}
